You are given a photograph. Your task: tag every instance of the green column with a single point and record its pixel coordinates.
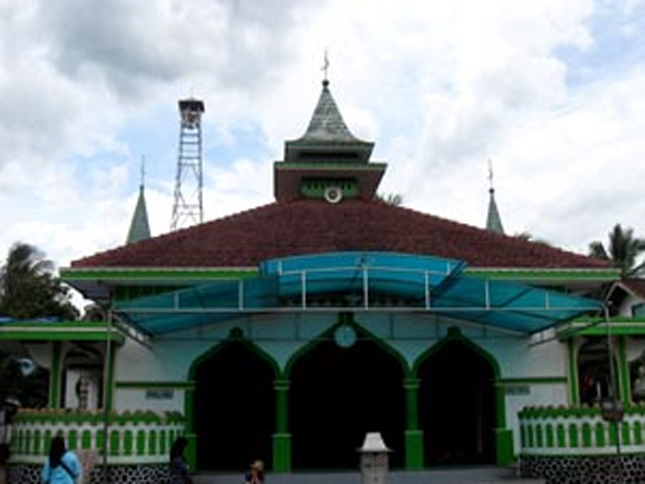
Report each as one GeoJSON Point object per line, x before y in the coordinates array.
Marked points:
{"type": "Point", "coordinates": [281, 437]}
{"type": "Point", "coordinates": [413, 435]}
{"type": "Point", "coordinates": [624, 385]}
{"type": "Point", "coordinates": [574, 385]}
{"type": "Point", "coordinates": [55, 376]}
{"type": "Point", "coordinates": [111, 362]}
{"type": "Point", "coordinates": [503, 436]}
{"type": "Point", "coordinates": [189, 412]}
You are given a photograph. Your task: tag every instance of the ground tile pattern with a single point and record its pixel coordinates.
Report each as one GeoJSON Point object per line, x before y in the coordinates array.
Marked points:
{"type": "Point", "coordinates": [131, 474]}
{"type": "Point", "coordinates": [624, 469]}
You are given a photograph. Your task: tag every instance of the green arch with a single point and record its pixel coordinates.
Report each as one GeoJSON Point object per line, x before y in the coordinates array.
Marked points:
{"type": "Point", "coordinates": [503, 436]}
{"type": "Point", "coordinates": [236, 335]}
{"type": "Point", "coordinates": [455, 334]}
{"type": "Point", "coordinates": [346, 318]}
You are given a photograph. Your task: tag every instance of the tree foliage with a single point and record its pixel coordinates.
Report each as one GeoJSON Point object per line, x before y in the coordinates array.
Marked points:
{"type": "Point", "coordinates": [24, 388]}
{"type": "Point", "coordinates": [29, 288]}
{"type": "Point", "coordinates": [622, 250]}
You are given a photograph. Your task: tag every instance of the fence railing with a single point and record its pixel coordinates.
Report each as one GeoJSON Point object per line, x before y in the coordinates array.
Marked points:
{"type": "Point", "coordinates": [562, 431]}
{"type": "Point", "coordinates": [128, 437]}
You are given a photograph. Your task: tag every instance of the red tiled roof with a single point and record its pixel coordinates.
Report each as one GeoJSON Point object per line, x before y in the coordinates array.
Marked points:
{"type": "Point", "coordinates": [314, 226]}
{"type": "Point", "coordinates": [637, 286]}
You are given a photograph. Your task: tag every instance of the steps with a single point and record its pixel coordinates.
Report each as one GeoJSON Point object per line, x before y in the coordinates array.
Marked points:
{"type": "Point", "coordinates": [471, 475]}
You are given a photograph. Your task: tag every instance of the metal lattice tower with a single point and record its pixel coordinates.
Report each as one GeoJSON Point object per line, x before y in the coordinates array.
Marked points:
{"type": "Point", "coordinates": [188, 208]}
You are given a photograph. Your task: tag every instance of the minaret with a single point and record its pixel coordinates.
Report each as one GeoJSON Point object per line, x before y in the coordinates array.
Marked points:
{"type": "Point", "coordinates": [327, 162]}
{"type": "Point", "coordinates": [493, 220]}
{"type": "Point", "coordinates": [139, 226]}
{"type": "Point", "coordinates": [188, 208]}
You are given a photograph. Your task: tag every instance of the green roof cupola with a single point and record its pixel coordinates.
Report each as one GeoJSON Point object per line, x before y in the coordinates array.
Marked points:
{"type": "Point", "coordinates": [328, 161]}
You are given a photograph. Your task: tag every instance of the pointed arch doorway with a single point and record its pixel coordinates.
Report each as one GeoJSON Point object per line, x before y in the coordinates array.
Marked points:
{"type": "Point", "coordinates": [234, 408]}
{"type": "Point", "coordinates": [457, 405]}
{"type": "Point", "coordinates": [337, 395]}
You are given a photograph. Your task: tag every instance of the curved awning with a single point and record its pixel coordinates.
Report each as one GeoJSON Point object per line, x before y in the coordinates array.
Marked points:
{"type": "Point", "coordinates": [359, 281]}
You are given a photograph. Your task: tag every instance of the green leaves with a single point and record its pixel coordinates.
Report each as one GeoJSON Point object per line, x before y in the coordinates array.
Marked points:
{"type": "Point", "coordinates": [622, 250]}
{"type": "Point", "coordinates": [29, 288]}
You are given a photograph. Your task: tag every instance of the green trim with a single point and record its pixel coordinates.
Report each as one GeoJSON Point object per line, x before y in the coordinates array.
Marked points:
{"type": "Point", "coordinates": [191, 450]}
{"type": "Point", "coordinates": [329, 166]}
{"type": "Point", "coordinates": [316, 187]}
{"type": "Point", "coordinates": [454, 334]}
{"type": "Point", "coordinates": [79, 417]}
{"type": "Point", "coordinates": [624, 387]}
{"type": "Point", "coordinates": [191, 435]}
{"type": "Point", "coordinates": [236, 335]}
{"type": "Point", "coordinates": [411, 386]}
{"type": "Point", "coordinates": [109, 398]}
{"type": "Point", "coordinates": [546, 275]}
{"type": "Point", "coordinates": [572, 367]}
{"type": "Point", "coordinates": [281, 388]}
{"type": "Point", "coordinates": [63, 331]}
{"type": "Point", "coordinates": [282, 452]}
{"type": "Point", "coordinates": [55, 376]}
{"type": "Point", "coordinates": [535, 380]}
{"type": "Point", "coordinates": [180, 385]}
{"type": "Point", "coordinates": [504, 447]}
{"type": "Point", "coordinates": [362, 333]}
{"type": "Point", "coordinates": [413, 435]}
{"type": "Point", "coordinates": [127, 275]}
{"type": "Point", "coordinates": [414, 450]}
{"type": "Point", "coordinates": [619, 326]}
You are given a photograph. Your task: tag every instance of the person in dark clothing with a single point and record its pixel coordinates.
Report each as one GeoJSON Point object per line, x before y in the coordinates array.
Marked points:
{"type": "Point", "coordinates": [179, 471]}
{"type": "Point", "coordinates": [61, 466]}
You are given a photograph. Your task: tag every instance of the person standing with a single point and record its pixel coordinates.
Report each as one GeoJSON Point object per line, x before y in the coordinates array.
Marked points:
{"type": "Point", "coordinates": [255, 475]}
{"type": "Point", "coordinates": [61, 466]}
{"type": "Point", "coordinates": [179, 470]}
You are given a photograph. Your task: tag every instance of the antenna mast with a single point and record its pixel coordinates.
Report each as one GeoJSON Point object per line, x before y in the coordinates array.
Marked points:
{"type": "Point", "coordinates": [188, 207]}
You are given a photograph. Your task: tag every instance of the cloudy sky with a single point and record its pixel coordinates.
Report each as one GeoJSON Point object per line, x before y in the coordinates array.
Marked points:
{"type": "Point", "coordinates": [552, 91]}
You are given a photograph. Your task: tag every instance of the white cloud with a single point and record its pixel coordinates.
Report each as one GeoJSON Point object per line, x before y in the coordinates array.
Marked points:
{"type": "Point", "coordinates": [439, 86]}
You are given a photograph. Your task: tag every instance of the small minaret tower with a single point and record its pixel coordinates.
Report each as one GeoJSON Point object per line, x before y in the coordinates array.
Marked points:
{"type": "Point", "coordinates": [493, 220]}
{"type": "Point", "coordinates": [188, 208]}
{"type": "Point", "coordinates": [139, 225]}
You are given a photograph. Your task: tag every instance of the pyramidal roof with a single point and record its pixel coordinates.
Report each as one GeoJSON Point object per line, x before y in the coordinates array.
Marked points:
{"type": "Point", "coordinates": [327, 131]}
{"type": "Point", "coordinates": [493, 220]}
{"type": "Point", "coordinates": [315, 226]}
{"type": "Point", "coordinates": [327, 123]}
{"type": "Point", "coordinates": [139, 226]}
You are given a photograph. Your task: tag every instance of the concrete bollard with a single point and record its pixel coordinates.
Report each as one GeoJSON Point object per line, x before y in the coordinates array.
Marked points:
{"type": "Point", "coordinates": [374, 459]}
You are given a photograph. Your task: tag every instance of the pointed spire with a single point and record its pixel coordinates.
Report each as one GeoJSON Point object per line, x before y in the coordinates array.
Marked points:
{"type": "Point", "coordinates": [493, 220]}
{"type": "Point", "coordinates": [139, 226]}
{"type": "Point", "coordinates": [327, 123]}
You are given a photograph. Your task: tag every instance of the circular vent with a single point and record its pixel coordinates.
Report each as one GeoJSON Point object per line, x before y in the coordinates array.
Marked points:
{"type": "Point", "coordinates": [333, 194]}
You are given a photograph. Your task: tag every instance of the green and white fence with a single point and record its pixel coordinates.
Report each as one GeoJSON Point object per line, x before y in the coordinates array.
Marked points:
{"type": "Point", "coordinates": [132, 437]}
{"type": "Point", "coordinates": [580, 431]}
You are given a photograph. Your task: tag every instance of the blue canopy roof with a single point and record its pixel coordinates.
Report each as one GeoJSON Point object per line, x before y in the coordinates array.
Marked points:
{"type": "Point", "coordinates": [359, 281]}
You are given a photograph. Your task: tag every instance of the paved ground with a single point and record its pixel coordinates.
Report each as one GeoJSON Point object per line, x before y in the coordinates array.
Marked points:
{"type": "Point", "coordinates": [474, 475]}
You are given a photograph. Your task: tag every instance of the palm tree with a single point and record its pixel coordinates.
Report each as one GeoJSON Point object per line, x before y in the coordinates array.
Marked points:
{"type": "Point", "coordinates": [29, 288]}
{"type": "Point", "coordinates": [622, 250]}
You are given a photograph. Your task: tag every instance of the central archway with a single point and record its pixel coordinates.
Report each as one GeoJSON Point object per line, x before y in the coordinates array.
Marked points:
{"type": "Point", "coordinates": [234, 408]}
{"type": "Point", "coordinates": [457, 405]}
{"type": "Point", "coordinates": [338, 395]}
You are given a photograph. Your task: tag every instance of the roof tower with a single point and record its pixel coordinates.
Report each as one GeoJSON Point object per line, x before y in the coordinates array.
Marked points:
{"type": "Point", "coordinates": [139, 226]}
{"type": "Point", "coordinates": [327, 161]}
{"type": "Point", "coordinates": [493, 219]}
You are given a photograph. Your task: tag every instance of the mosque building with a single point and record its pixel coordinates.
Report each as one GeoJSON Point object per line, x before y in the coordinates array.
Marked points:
{"type": "Point", "coordinates": [288, 331]}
